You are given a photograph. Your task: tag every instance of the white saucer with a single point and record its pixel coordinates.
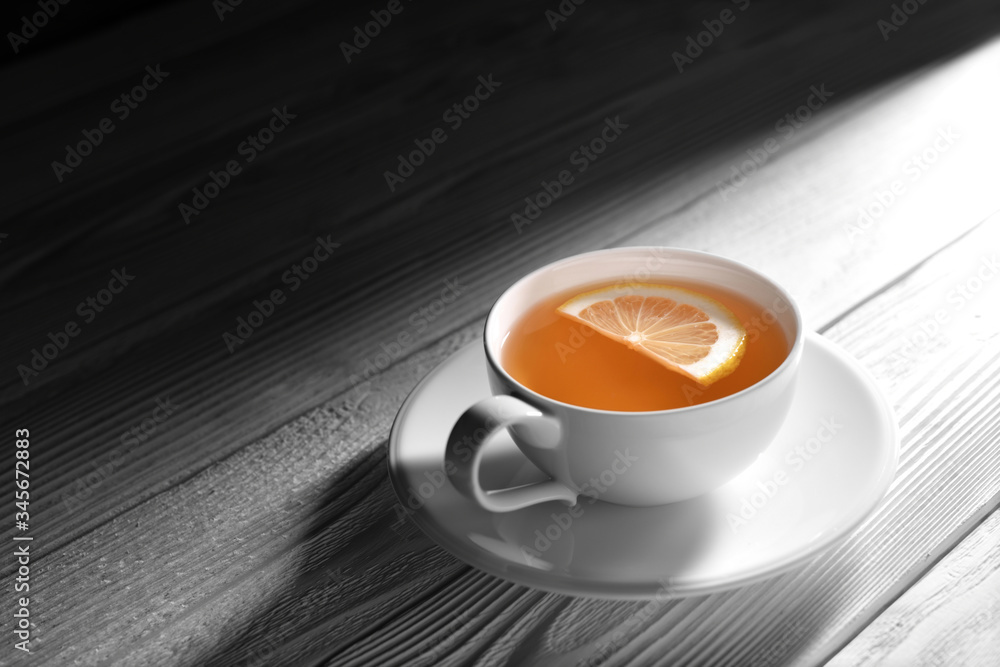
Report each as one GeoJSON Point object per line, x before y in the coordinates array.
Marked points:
{"type": "Point", "coordinates": [731, 537]}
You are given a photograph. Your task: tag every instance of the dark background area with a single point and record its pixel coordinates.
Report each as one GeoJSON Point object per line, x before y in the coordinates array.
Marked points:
{"type": "Point", "coordinates": [73, 21]}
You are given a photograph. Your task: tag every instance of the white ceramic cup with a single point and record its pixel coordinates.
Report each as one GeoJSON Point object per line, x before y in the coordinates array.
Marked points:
{"type": "Point", "coordinates": [627, 458]}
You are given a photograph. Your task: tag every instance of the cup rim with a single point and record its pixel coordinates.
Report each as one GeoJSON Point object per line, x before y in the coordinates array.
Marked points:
{"type": "Point", "coordinates": [793, 351]}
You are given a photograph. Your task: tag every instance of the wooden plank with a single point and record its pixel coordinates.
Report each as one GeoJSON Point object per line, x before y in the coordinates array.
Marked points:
{"type": "Point", "coordinates": [948, 617]}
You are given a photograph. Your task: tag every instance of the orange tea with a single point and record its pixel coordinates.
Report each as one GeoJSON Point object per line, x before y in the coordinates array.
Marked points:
{"type": "Point", "coordinates": [570, 361]}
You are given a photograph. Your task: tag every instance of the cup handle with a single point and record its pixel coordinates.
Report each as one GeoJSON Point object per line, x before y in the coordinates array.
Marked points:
{"type": "Point", "coordinates": [476, 427]}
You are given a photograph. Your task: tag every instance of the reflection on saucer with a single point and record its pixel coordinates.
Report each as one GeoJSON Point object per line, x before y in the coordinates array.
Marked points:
{"type": "Point", "coordinates": [827, 469]}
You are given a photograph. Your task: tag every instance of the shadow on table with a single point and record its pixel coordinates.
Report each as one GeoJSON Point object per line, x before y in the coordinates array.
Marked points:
{"type": "Point", "coordinates": [363, 577]}
{"type": "Point", "coordinates": [353, 558]}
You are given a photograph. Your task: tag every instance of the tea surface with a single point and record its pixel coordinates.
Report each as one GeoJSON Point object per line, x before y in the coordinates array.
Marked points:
{"type": "Point", "coordinates": [570, 362]}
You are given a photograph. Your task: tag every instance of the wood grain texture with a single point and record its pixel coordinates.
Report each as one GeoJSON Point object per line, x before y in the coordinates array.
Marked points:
{"type": "Point", "coordinates": [352, 584]}
{"type": "Point", "coordinates": [256, 524]}
{"type": "Point", "coordinates": [146, 346]}
{"type": "Point", "coordinates": [948, 617]}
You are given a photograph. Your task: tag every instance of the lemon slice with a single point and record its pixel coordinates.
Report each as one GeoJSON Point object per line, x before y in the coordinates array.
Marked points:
{"type": "Point", "coordinates": [684, 331]}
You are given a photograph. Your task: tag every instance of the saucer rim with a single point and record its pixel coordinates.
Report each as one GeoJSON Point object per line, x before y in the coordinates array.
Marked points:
{"type": "Point", "coordinates": [669, 588]}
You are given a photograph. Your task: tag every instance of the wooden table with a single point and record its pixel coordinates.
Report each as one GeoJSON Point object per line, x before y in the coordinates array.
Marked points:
{"type": "Point", "coordinates": [202, 492]}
